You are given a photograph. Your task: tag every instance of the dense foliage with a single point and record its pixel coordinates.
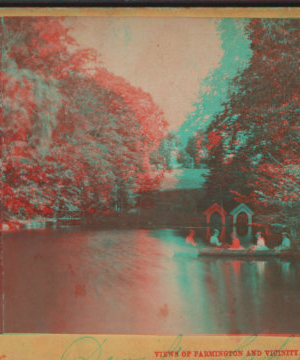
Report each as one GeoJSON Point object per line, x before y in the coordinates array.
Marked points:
{"type": "Point", "coordinates": [254, 143]}
{"type": "Point", "coordinates": [74, 136]}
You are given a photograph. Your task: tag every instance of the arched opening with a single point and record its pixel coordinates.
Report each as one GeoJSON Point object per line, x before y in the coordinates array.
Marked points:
{"type": "Point", "coordinates": [242, 224]}
{"type": "Point", "coordinates": [215, 221]}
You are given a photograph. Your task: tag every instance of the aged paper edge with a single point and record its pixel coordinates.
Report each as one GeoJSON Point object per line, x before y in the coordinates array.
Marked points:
{"type": "Point", "coordinates": [141, 347]}
{"type": "Point", "coordinates": [283, 12]}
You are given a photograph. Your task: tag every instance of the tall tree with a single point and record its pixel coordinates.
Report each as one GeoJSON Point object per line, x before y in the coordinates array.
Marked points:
{"type": "Point", "coordinates": [169, 149]}
{"type": "Point", "coordinates": [259, 127]}
{"type": "Point", "coordinates": [197, 148]}
{"type": "Point", "coordinates": [72, 139]}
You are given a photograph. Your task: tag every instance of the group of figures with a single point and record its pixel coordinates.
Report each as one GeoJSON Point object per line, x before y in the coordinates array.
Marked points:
{"type": "Point", "coordinates": [235, 245]}
{"type": "Point", "coordinates": [260, 244]}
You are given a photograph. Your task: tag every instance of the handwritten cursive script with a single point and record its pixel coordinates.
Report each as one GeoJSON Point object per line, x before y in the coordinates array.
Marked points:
{"type": "Point", "coordinates": [89, 348]}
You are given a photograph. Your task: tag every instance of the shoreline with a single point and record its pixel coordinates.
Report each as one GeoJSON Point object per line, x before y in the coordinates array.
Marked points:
{"type": "Point", "coordinates": [105, 226]}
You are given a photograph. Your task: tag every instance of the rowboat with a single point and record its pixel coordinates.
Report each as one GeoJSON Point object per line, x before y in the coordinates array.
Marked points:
{"type": "Point", "coordinates": [245, 253]}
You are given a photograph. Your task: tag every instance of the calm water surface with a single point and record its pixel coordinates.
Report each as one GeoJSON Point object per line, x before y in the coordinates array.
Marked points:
{"type": "Point", "coordinates": [141, 282]}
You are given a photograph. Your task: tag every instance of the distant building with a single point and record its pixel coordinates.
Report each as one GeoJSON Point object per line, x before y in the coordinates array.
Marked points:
{"type": "Point", "coordinates": [177, 200]}
{"type": "Point", "coordinates": [181, 200]}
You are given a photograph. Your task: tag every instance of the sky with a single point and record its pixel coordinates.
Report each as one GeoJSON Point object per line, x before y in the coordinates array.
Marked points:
{"type": "Point", "coordinates": [169, 58]}
{"type": "Point", "coordinates": [213, 90]}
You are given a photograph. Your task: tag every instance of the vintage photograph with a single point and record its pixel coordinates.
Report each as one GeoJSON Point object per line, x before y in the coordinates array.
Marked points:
{"type": "Point", "coordinates": [150, 175]}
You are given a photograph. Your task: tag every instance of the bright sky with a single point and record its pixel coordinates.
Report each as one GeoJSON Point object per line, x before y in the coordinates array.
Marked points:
{"type": "Point", "coordinates": [166, 57]}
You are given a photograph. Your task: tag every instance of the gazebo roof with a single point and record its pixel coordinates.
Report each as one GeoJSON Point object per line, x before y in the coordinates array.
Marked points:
{"type": "Point", "coordinates": [242, 208]}
{"type": "Point", "coordinates": [215, 208]}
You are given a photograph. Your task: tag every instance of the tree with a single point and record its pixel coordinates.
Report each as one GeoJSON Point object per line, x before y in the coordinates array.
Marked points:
{"type": "Point", "coordinates": [30, 101]}
{"type": "Point", "coordinates": [73, 139]}
{"type": "Point", "coordinates": [168, 146]}
{"type": "Point", "coordinates": [259, 125]}
{"type": "Point", "coordinates": [185, 159]}
{"type": "Point", "coordinates": [197, 148]}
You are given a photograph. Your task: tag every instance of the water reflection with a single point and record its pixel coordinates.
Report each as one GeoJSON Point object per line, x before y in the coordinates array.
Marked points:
{"type": "Point", "coordinates": [236, 266]}
{"type": "Point", "coordinates": [285, 268]}
{"type": "Point", "coordinates": [260, 265]}
{"type": "Point", "coordinates": [142, 282]}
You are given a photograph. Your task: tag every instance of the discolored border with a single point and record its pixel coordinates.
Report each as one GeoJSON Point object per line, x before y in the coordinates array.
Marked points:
{"type": "Point", "coordinates": [207, 12]}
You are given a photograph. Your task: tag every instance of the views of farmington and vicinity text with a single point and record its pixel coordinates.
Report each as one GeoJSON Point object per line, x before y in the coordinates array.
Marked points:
{"type": "Point", "coordinates": [150, 157]}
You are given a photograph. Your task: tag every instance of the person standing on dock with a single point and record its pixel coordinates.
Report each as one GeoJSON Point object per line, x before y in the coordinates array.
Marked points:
{"type": "Point", "coordinates": [286, 243]}
{"type": "Point", "coordinates": [214, 240]}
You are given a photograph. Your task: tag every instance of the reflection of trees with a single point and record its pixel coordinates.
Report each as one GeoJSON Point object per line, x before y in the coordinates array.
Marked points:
{"type": "Point", "coordinates": [231, 290]}
{"type": "Point", "coordinates": [285, 268]}
{"type": "Point", "coordinates": [200, 304]}
{"type": "Point", "coordinates": [232, 296]}
{"type": "Point", "coordinates": [216, 293]}
{"type": "Point", "coordinates": [238, 296]}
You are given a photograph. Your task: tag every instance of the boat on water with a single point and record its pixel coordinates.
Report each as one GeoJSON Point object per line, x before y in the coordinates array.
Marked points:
{"type": "Point", "coordinates": [245, 253]}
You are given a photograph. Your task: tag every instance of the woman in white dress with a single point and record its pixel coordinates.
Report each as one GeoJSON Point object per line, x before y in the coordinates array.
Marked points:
{"type": "Point", "coordinates": [260, 245]}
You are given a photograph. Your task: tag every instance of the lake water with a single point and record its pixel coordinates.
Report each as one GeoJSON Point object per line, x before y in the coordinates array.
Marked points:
{"type": "Point", "coordinates": [141, 282]}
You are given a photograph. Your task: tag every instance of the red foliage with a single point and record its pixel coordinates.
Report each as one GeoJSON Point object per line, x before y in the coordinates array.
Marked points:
{"type": "Point", "coordinates": [72, 139]}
